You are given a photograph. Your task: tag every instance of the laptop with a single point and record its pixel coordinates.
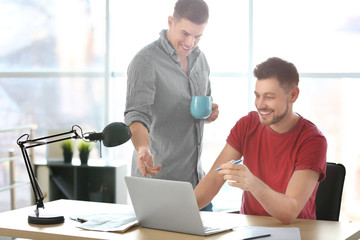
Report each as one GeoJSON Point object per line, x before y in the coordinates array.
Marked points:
{"type": "Point", "coordinates": [168, 205]}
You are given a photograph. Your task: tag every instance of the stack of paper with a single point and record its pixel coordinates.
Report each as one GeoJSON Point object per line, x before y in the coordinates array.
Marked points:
{"type": "Point", "coordinates": [107, 222]}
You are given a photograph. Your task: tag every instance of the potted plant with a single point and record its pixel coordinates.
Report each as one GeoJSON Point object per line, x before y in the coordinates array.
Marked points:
{"type": "Point", "coordinates": [84, 151]}
{"type": "Point", "coordinates": [68, 150]}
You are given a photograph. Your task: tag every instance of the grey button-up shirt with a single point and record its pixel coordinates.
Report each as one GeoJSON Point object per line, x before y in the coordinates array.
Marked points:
{"type": "Point", "coordinates": [159, 96]}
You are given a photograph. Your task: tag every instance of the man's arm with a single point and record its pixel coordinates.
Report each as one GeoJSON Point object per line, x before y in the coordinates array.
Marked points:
{"type": "Point", "coordinates": [140, 140]}
{"type": "Point", "coordinates": [210, 185]}
{"type": "Point", "coordinates": [285, 207]}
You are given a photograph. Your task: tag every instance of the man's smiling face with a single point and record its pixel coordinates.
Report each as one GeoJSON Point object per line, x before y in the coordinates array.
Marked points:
{"type": "Point", "coordinates": [184, 35]}
{"type": "Point", "coordinates": [272, 101]}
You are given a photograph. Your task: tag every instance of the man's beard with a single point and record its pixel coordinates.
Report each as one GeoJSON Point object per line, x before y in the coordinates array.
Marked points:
{"type": "Point", "coordinates": [276, 118]}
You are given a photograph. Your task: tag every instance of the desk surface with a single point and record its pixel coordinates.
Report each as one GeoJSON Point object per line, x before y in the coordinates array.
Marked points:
{"type": "Point", "coordinates": [14, 224]}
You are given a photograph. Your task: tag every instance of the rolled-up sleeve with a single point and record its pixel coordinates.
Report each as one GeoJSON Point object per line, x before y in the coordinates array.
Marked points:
{"type": "Point", "coordinates": [140, 91]}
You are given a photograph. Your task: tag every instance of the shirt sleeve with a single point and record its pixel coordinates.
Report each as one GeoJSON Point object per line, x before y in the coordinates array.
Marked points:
{"type": "Point", "coordinates": [312, 155]}
{"type": "Point", "coordinates": [237, 134]}
{"type": "Point", "coordinates": [140, 91]}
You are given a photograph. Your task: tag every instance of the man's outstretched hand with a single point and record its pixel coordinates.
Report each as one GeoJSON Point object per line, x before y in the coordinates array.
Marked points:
{"type": "Point", "coordinates": [146, 163]}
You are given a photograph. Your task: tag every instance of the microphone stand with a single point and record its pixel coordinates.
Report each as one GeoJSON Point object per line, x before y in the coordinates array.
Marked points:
{"type": "Point", "coordinates": [38, 194]}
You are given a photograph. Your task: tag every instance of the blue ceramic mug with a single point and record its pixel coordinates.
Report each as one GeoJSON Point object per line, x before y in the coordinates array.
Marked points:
{"type": "Point", "coordinates": [201, 106]}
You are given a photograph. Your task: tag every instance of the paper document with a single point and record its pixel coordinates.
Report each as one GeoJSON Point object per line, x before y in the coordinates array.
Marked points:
{"type": "Point", "coordinates": [278, 233]}
{"type": "Point", "coordinates": [107, 222]}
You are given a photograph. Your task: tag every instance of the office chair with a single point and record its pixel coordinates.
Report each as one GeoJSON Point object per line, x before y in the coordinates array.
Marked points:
{"type": "Point", "coordinates": [328, 197]}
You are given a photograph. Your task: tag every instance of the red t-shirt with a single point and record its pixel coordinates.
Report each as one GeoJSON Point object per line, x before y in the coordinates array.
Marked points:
{"type": "Point", "coordinates": [273, 157]}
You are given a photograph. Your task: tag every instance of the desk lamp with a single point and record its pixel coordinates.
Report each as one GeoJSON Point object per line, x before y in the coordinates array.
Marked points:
{"type": "Point", "coordinates": [114, 134]}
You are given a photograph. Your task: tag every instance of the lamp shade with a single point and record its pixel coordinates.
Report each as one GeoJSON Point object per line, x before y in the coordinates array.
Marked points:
{"type": "Point", "coordinates": [115, 134]}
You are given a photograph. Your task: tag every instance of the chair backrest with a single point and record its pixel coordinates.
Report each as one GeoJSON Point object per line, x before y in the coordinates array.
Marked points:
{"type": "Point", "coordinates": [328, 197]}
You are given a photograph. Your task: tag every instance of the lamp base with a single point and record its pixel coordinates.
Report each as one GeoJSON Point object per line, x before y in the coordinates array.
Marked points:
{"type": "Point", "coordinates": [45, 219]}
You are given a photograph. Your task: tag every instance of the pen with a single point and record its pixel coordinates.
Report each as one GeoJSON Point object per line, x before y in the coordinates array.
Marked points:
{"type": "Point", "coordinates": [78, 219]}
{"type": "Point", "coordinates": [236, 162]}
{"type": "Point", "coordinates": [256, 237]}
{"type": "Point", "coordinates": [82, 220]}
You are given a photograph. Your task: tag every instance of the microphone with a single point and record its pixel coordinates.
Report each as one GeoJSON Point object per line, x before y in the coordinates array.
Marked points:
{"type": "Point", "coordinates": [114, 134]}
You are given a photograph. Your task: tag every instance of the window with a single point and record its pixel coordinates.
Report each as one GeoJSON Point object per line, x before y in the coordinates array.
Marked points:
{"type": "Point", "coordinates": [52, 60]}
{"type": "Point", "coordinates": [317, 36]}
{"type": "Point", "coordinates": [62, 65]}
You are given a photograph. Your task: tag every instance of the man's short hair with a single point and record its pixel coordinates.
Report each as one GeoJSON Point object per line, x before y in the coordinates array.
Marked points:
{"type": "Point", "coordinates": [195, 11]}
{"type": "Point", "coordinates": [284, 71]}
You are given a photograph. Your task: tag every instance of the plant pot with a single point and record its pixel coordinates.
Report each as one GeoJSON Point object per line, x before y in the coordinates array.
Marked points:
{"type": "Point", "coordinates": [68, 157]}
{"type": "Point", "coordinates": [84, 157]}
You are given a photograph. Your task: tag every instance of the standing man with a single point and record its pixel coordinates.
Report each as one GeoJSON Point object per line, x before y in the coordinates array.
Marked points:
{"type": "Point", "coordinates": [162, 78]}
{"type": "Point", "coordinates": [284, 155]}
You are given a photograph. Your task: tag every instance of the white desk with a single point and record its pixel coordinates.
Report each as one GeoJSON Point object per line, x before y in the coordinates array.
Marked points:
{"type": "Point", "coordinates": [14, 224]}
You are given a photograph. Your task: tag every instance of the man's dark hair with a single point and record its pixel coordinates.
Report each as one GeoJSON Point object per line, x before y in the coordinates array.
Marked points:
{"type": "Point", "coordinates": [284, 71]}
{"type": "Point", "coordinates": [195, 11]}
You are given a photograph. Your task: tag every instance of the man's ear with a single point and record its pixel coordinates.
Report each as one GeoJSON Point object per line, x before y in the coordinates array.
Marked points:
{"type": "Point", "coordinates": [170, 21]}
{"type": "Point", "coordinates": [294, 94]}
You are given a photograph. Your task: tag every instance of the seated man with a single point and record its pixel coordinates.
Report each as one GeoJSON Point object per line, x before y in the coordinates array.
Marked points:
{"type": "Point", "coordinates": [284, 155]}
